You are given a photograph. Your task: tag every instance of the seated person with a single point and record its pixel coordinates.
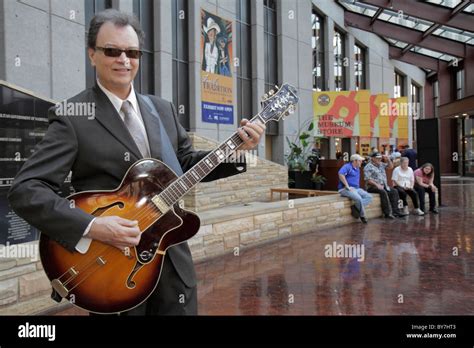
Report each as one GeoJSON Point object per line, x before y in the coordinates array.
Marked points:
{"type": "Point", "coordinates": [348, 186]}
{"type": "Point", "coordinates": [376, 182]}
{"type": "Point", "coordinates": [395, 157]}
{"type": "Point", "coordinates": [404, 182]}
{"type": "Point", "coordinates": [424, 177]}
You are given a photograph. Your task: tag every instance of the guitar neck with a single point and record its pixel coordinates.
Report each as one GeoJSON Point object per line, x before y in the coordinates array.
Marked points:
{"type": "Point", "coordinates": [178, 188]}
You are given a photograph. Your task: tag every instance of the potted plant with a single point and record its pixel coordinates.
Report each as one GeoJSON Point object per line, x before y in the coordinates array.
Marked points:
{"type": "Point", "coordinates": [318, 181]}
{"type": "Point", "coordinates": [299, 174]}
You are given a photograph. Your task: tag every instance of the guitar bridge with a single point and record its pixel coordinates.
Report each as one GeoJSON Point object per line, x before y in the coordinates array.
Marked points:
{"type": "Point", "coordinates": [160, 204]}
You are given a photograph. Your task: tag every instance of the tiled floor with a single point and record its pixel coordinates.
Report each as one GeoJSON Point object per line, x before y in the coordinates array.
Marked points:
{"type": "Point", "coordinates": [416, 265]}
{"type": "Point", "coordinates": [410, 267]}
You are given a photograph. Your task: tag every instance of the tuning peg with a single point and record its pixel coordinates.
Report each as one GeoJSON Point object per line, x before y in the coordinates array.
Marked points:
{"type": "Point", "coordinates": [276, 86]}
{"type": "Point", "coordinates": [291, 109]}
{"type": "Point", "coordinates": [271, 92]}
{"type": "Point", "coordinates": [265, 96]}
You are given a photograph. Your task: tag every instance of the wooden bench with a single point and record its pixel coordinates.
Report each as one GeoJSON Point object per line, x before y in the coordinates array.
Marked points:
{"type": "Point", "coordinates": [299, 192]}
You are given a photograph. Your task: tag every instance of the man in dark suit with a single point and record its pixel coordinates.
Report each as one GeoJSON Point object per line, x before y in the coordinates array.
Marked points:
{"type": "Point", "coordinates": [98, 150]}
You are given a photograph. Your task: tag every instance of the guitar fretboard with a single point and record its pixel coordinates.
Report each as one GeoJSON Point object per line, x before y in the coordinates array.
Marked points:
{"type": "Point", "coordinates": [178, 188]}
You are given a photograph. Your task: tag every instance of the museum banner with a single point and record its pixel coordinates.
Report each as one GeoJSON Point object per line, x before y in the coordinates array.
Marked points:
{"type": "Point", "coordinates": [217, 83]}
{"type": "Point", "coordinates": [342, 114]}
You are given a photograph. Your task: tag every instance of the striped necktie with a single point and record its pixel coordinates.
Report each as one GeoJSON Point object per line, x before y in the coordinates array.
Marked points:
{"type": "Point", "coordinates": [136, 129]}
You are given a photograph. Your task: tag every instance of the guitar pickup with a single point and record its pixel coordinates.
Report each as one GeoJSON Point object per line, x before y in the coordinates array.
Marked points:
{"type": "Point", "coordinates": [160, 204]}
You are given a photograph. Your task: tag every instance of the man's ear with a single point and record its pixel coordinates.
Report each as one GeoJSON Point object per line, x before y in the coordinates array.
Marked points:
{"type": "Point", "coordinates": [91, 54]}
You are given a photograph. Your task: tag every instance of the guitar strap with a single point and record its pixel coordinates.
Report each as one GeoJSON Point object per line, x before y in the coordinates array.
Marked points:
{"type": "Point", "coordinates": [168, 156]}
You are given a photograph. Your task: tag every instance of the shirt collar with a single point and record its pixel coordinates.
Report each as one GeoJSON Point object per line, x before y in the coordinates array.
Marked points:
{"type": "Point", "coordinates": [116, 101]}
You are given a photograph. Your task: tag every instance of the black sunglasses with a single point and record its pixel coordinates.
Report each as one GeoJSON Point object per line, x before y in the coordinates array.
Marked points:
{"type": "Point", "coordinates": [116, 52]}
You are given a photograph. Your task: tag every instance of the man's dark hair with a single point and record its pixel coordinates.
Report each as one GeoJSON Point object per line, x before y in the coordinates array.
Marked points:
{"type": "Point", "coordinates": [119, 19]}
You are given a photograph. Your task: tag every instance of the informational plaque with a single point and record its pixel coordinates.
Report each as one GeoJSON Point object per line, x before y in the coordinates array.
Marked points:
{"type": "Point", "coordinates": [23, 123]}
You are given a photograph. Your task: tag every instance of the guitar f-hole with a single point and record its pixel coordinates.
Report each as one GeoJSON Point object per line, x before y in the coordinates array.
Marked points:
{"type": "Point", "coordinates": [101, 210]}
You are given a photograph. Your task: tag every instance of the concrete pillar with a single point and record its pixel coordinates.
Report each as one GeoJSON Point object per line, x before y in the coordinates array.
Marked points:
{"type": "Point", "coordinates": [163, 49]}
{"type": "Point", "coordinates": [258, 62]}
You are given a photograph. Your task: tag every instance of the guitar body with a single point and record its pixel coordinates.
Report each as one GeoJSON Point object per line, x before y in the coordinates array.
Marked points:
{"type": "Point", "coordinates": [105, 279]}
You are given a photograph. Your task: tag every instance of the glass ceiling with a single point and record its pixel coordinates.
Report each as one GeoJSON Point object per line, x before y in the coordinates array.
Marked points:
{"type": "Point", "coordinates": [445, 3]}
{"type": "Point", "coordinates": [419, 24]}
{"type": "Point", "coordinates": [421, 50]}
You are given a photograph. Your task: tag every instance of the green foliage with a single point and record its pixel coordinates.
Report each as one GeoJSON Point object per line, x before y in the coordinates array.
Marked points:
{"type": "Point", "coordinates": [300, 148]}
{"type": "Point", "coordinates": [318, 179]}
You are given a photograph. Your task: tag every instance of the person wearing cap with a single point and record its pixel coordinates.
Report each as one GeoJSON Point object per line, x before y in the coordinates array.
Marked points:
{"type": "Point", "coordinates": [348, 186]}
{"type": "Point", "coordinates": [395, 157]}
{"type": "Point", "coordinates": [376, 182]}
{"type": "Point", "coordinates": [211, 51]}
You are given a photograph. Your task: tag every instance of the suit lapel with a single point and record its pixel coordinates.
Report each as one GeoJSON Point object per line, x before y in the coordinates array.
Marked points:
{"type": "Point", "coordinates": [108, 116]}
{"type": "Point", "coordinates": [152, 125]}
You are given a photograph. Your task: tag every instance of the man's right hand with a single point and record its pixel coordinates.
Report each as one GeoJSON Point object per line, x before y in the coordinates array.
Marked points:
{"type": "Point", "coordinates": [116, 231]}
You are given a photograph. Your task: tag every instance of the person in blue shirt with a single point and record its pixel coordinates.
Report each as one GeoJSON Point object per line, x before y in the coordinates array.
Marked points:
{"type": "Point", "coordinates": [348, 186]}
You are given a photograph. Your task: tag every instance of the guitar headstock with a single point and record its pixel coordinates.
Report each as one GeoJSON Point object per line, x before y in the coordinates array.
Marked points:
{"type": "Point", "coordinates": [281, 103]}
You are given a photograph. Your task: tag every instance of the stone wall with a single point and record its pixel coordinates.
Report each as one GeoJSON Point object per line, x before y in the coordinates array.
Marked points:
{"type": "Point", "coordinates": [229, 228]}
{"type": "Point", "coordinates": [24, 288]}
{"type": "Point", "coordinates": [252, 186]}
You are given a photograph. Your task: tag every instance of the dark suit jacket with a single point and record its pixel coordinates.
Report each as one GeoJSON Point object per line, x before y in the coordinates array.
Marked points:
{"type": "Point", "coordinates": [94, 150]}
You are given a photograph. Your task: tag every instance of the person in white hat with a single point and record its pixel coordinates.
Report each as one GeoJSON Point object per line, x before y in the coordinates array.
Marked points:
{"type": "Point", "coordinates": [211, 52]}
{"type": "Point", "coordinates": [349, 179]}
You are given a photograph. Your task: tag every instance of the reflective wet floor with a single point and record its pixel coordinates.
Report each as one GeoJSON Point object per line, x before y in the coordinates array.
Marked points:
{"type": "Point", "coordinates": [411, 266]}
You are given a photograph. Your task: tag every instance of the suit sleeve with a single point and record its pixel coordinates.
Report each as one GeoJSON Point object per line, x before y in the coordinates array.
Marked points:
{"type": "Point", "coordinates": [188, 157]}
{"type": "Point", "coordinates": [34, 192]}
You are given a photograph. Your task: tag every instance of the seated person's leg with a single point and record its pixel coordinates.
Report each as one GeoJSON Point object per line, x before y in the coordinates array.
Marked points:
{"type": "Point", "coordinates": [414, 198]}
{"type": "Point", "coordinates": [354, 196]}
{"type": "Point", "coordinates": [432, 197]}
{"type": "Point", "coordinates": [421, 196]}
{"type": "Point", "coordinates": [383, 199]}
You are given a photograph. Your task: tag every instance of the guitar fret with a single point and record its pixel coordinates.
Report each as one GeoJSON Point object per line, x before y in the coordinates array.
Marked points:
{"type": "Point", "coordinates": [164, 198]}
{"type": "Point", "coordinates": [183, 185]}
{"type": "Point", "coordinates": [173, 191]}
{"type": "Point", "coordinates": [208, 163]}
{"type": "Point", "coordinates": [196, 176]}
{"type": "Point", "coordinates": [231, 144]}
{"type": "Point", "coordinates": [202, 169]}
{"type": "Point", "coordinates": [178, 188]}
{"type": "Point", "coordinates": [219, 154]}
{"type": "Point", "coordinates": [189, 179]}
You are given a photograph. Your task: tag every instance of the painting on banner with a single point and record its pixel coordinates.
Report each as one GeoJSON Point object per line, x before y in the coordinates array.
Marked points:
{"type": "Point", "coordinates": [217, 95]}
{"type": "Point", "coordinates": [342, 114]}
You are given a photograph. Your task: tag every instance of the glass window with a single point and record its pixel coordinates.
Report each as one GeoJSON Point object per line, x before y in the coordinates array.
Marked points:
{"type": "Point", "coordinates": [317, 43]}
{"type": "Point", "coordinates": [180, 44]}
{"type": "Point", "coordinates": [90, 9]}
{"type": "Point", "coordinates": [460, 84]}
{"type": "Point", "coordinates": [271, 54]}
{"type": "Point", "coordinates": [399, 87]}
{"type": "Point", "coordinates": [145, 80]}
{"type": "Point", "coordinates": [415, 101]}
{"type": "Point", "coordinates": [359, 67]}
{"type": "Point", "coordinates": [340, 61]}
{"type": "Point", "coordinates": [244, 56]}
{"type": "Point", "coordinates": [436, 97]}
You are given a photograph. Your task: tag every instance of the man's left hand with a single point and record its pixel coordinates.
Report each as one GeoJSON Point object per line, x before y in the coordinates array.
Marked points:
{"type": "Point", "coordinates": [250, 133]}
